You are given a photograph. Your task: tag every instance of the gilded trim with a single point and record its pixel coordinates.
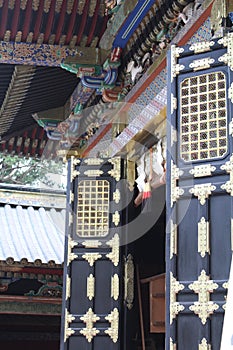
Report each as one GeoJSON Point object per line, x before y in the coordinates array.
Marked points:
{"type": "Point", "coordinates": [203, 287]}
{"type": "Point", "coordinates": [202, 170]}
{"type": "Point", "coordinates": [173, 239]}
{"type": "Point", "coordinates": [204, 345]}
{"type": "Point", "coordinates": [202, 191]}
{"type": "Point", "coordinates": [116, 218]}
{"type": "Point", "coordinates": [68, 319]}
{"type": "Point", "coordinates": [114, 243]}
{"type": "Point", "coordinates": [113, 319]}
{"type": "Point", "coordinates": [172, 345]}
{"type": "Point", "coordinates": [91, 244]}
{"type": "Point", "coordinates": [176, 192]}
{"type": "Point", "coordinates": [115, 287]}
{"type": "Point", "coordinates": [91, 257]}
{"type": "Point", "coordinates": [230, 93]}
{"type": "Point", "coordinates": [175, 68]}
{"type": "Point", "coordinates": [116, 171]}
{"type": "Point", "coordinates": [93, 173]}
{"type": "Point", "coordinates": [227, 58]}
{"type": "Point", "coordinates": [203, 237]}
{"type": "Point", "coordinates": [131, 174]}
{"type": "Point", "coordinates": [228, 167]}
{"type": "Point", "coordinates": [93, 161]}
{"type": "Point", "coordinates": [129, 282]}
{"type": "Point", "coordinates": [175, 306]}
{"type": "Point", "coordinates": [71, 256]}
{"type": "Point", "coordinates": [90, 287]}
{"type": "Point", "coordinates": [203, 63]}
{"type": "Point", "coordinates": [68, 286]}
{"type": "Point", "coordinates": [202, 46]}
{"type": "Point", "coordinates": [117, 196]}
{"type": "Point", "coordinates": [173, 103]}
{"type": "Point", "coordinates": [89, 331]}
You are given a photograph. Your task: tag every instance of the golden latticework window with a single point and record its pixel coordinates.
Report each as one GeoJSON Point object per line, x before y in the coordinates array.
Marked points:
{"type": "Point", "coordinates": [93, 208]}
{"type": "Point", "coordinates": [203, 124]}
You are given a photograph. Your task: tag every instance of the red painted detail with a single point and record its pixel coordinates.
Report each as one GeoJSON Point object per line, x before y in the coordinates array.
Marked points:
{"type": "Point", "coordinates": [3, 145]}
{"type": "Point", "coordinates": [33, 133]}
{"type": "Point", "coordinates": [60, 22]}
{"type": "Point", "coordinates": [15, 20]}
{"type": "Point", "coordinates": [3, 19]}
{"type": "Point", "coordinates": [42, 270]}
{"type": "Point", "coordinates": [71, 22]}
{"type": "Point", "coordinates": [38, 20]}
{"type": "Point", "coordinates": [93, 23]}
{"type": "Point", "coordinates": [83, 22]}
{"type": "Point", "coordinates": [41, 134]}
{"type": "Point", "coordinates": [27, 20]}
{"type": "Point", "coordinates": [48, 30]}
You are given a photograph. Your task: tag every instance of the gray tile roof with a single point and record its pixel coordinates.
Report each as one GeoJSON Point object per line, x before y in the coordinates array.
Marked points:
{"type": "Point", "coordinates": [32, 233]}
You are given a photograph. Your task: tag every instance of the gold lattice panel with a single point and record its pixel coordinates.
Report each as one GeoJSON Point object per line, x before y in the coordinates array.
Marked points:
{"type": "Point", "coordinates": [93, 208]}
{"type": "Point", "coordinates": [203, 124]}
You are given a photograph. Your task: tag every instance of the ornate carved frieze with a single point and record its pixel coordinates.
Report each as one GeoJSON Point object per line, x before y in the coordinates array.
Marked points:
{"type": "Point", "coordinates": [89, 331]}
{"type": "Point", "coordinates": [113, 319]}
{"type": "Point", "coordinates": [175, 306]}
{"type": "Point", "coordinates": [202, 191]}
{"type": "Point", "coordinates": [203, 237]}
{"type": "Point", "coordinates": [203, 287]}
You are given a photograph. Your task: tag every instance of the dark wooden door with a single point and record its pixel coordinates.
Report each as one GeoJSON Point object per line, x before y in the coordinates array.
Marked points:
{"type": "Point", "coordinates": [199, 192]}
{"type": "Point", "coordinates": [94, 300]}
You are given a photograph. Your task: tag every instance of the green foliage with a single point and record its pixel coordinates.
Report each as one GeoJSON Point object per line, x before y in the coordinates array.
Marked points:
{"type": "Point", "coordinates": [30, 171]}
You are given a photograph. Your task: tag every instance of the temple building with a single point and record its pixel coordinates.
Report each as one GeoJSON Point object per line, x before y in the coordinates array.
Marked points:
{"type": "Point", "coordinates": [135, 96]}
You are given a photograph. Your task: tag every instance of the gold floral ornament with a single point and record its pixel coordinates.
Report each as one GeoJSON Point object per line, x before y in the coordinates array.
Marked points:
{"type": "Point", "coordinates": [204, 345]}
{"type": "Point", "coordinates": [114, 254]}
{"type": "Point", "coordinates": [203, 287]}
{"type": "Point", "coordinates": [175, 306]}
{"type": "Point", "coordinates": [113, 318]}
{"type": "Point", "coordinates": [68, 319]}
{"type": "Point", "coordinates": [89, 331]}
{"type": "Point", "coordinates": [202, 191]}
